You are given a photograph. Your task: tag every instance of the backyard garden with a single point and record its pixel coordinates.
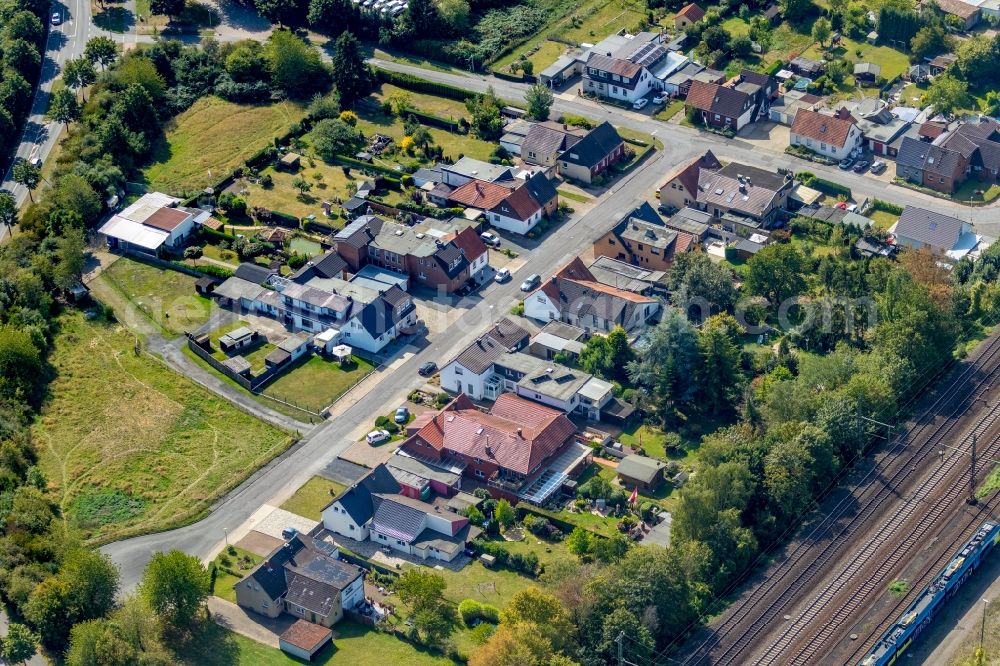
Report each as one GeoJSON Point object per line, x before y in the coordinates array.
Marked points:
{"type": "Point", "coordinates": [166, 297]}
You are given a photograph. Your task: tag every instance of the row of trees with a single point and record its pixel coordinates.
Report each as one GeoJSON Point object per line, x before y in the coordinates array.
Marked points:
{"type": "Point", "coordinates": [22, 38]}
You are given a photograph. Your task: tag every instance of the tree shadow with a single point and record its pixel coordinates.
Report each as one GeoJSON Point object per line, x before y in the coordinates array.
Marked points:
{"type": "Point", "coordinates": [207, 644]}
{"type": "Point", "coordinates": [240, 17]}
{"type": "Point", "coordinates": [115, 19]}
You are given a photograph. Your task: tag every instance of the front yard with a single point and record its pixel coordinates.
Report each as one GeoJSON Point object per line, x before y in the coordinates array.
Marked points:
{"type": "Point", "coordinates": [167, 297]}
{"type": "Point", "coordinates": [130, 447]}
{"type": "Point", "coordinates": [312, 497]}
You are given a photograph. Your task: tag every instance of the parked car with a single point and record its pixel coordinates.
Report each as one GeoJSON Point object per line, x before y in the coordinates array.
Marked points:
{"type": "Point", "coordinates": [427, 369]}
{"type": "Point", "coordinates": [846, 163]}
{"type": "Point", "coordinates": [861, 166]}
{"type": "Point", "coordinates": [878, 166]}
{"type": "Point", "coordinates": [402, 415]}
{"type": "Point", "coordinates": [56, 18]}
{"type": "Point", "coordinates": [490, 238]}
{"type": "Point", "coordinates": [289, 533]}
{"type": "Point", "coordinates": [532, 282]}
{"type": "Point", "coordinates": [377, 436]}
{"type": "Point", "coordinates": [640, 103]}
{"type": "Point", "coordinates": [36, 162]}
{"type": "Point", "coordinates": [502, 275]}
{"type": "Point", "coordinates": [661, 98]}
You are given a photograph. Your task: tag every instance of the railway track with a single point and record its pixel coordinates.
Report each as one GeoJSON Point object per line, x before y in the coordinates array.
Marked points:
{"type": "Point", "coordinates": [747, 622]}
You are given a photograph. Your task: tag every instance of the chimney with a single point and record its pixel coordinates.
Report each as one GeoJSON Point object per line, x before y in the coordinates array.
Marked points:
{"type": "Point", "coordinates": [489, 450]}
{"type": "Point", "coordinates": [519, 433]}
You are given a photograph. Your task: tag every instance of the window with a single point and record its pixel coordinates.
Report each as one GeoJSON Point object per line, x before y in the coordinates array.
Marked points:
{"type": "Point", "coordinates": [479, 461]}
{"type": "Point", "coordinates": [611, 241]}
{"type": "Point", "coordinates": [458, 370]}
{"type": "Point", "coordinates": [350, 527]}
{"type": "Point", "coordinates": [480, 474]}
{"type": "Point", "coordinates": [718, 117]}
{"type": "Point", "coordinates": [654, 250]}
{"type": "Point", "coordinates": [264, 604]}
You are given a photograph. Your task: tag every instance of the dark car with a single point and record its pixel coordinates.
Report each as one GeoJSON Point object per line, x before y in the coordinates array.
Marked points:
{"type": "Point", "coordinates": [846, 163]}
{"type": "Point", "coordinates": [861, 167]}
{"type": "Point", "coordinates": [402, 415]}
{"type": "Point", "coordinates": [427, 369]}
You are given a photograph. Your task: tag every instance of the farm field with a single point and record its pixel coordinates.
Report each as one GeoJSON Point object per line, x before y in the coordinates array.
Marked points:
{"type": "Point", "coordinates": [131, 447]}
{"type": "Point", "coordinates": [312, 497]}
{"type": "Point", "coordinates": [167, 297]}
{"type": "Point", "coordinates": [215, 135]}
{"type": "Point", "coordinates": [317, 382]}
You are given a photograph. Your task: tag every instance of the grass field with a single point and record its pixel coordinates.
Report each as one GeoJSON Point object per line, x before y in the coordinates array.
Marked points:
{"type": "Point", "coordinates": [215, 135]}
{"type": "Point", "coordinates": [312, 497]}
{"type": "Point", "coordinates": [353, 644]}
{"type": "Point", "coordinates": [608, 19]}
{"type": "Point", "coordinates": [130, 447]}
{"type": "Point", "coordinates": [574, 196]}
{"type": "Point", "coordinates": [317, 382]}
{"type": "Point", "coordinates": [651, 439]}
{"type": "Point", "coordinates": [439, 106]}
{"type": "Point", "coordinates": [883, 219]}
{"type": "Point", "coordinates": [893, 62]}
{"type": "Point", "coordinates": [167, 297]}
{"type": "Point", "coordinates": [281, 196]}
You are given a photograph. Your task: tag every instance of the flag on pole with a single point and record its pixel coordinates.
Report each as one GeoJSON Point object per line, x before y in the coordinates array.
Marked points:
{"type": "Point", "coordinates": [634, 496]}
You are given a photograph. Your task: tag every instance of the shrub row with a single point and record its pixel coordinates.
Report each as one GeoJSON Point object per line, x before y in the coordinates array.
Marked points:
{"type": "Point", "coordinates": [365, 166]}
{"type": "Point", "coordinates": [416, 84]}
{"type": "Point", "coordinates": [471, 610]}
{"type": "Point", "coordinates": [823, 185]}
{"type": "Point", "coordinates": [213, 236]}
{"type": "Point", "coordinates": [434, 120]}
{"type": "Point", "coordinates": [214, 271]}
{"type": "Point", "coordinates": [887, 206]}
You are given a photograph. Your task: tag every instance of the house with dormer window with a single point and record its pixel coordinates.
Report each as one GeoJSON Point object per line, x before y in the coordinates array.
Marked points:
{"type": "Point", "coordinates": [834, 136]}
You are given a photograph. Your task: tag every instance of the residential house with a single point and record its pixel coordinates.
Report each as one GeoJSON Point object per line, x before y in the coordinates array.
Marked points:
{"type": "Point", "coordinates": [964, 150]}
{"type": "Point", "coordinates": [546, 382]}
{"type": "Point", "coordinates": [784, 109]}
{"type": "Point", "coordinates": [968, 14]}
{"type": "Point", "coordinates": [419, 528]}
{"type": "Point", "coordinates": [680, 189]}
{"type": "Point", "coordinates": [573, 295]}
{"type": "Point", "coordinates": [351, 242]}
{"type": "Point", "coordinates": [646, 474]}
{"type": "Point", "coordinates": [943, 235]}
{"type": "Point", "coordinates": [720, 106]}
{"type": "Point", "coordinates": [692, 221]}
{"type": "Point", "coordinates": [743, 194]}
{"type": "Point", "coordinates": [428, 261]}
{"type": "Point", "coordinates": [512, 139]}
{"type": "Point", "coordinates": [679, 82]}
{"type": "Point", "coordinates": [881, 129]}
{"type": "Point", "coordinates": [152, 224]}
{"type": "Point", "coordinates": [470, 370]}
{"type": "Point", "coordinates": [473, 248]}
{"type": "Point", "coordinates": [933, 166]}
{"type": "Point", "coordinates": [632, 71]}
{"type": "Point", "coordinates": [835, 136]}
{"type": "Point", "coordinates": [866, 73]}
{"type": "Point", "coordinates": [641, 238]}
{"type": "Point", "coordinates": [592, 155]}
{"type": "Point", "coordinates": [520, 450]}
{"type": "Point", "coordinates": [349, 513]}
{"type": "Point", "coordinates": [545, 142]}
{"type": "Point", "coordinates": [688, 16]}
{"type": "Point", "coordinates": [304, 578]}
{"type": "Point", "coordinates": [515, 205]}
{"type": "Point", "coordinates": [467, 168]}
{"type": "Point", "coordinates": [418, 479]}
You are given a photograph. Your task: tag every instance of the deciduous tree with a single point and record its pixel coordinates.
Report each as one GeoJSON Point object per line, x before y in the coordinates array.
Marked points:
{"type": "Point", "coordinates": [101, 51]}
{"type": "Point", "coordinates": [19, 645]}
{"type": "Point", "coordinates": [27, 174]}
{"type": "Point", "coordinates": [175, 585]}
{"type": "Point", "coordinates": [79, 73]}
{"type": "Point", "coordinates": [539, 98]}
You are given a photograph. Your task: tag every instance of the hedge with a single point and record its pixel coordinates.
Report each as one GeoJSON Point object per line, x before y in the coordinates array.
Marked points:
{"type": "Point", "coordinates": [823, 185]}
{"type": "Point", "coordinates": [212, 270]}
{"type": "Point", "coordinates": [212, 234]}
{"type": "Point", "coordinates": [471, 610]}
{"type": "Point", "coordinates": [416, 84]}
{"type": "Point", "coordinates": [364, 166]}
{"type": "Point", "coordinates": [887, 206]}
{"type": "Point", "coordinates": [433, 120]}
{"type": "Point", "coordinates": [505, 76]}
{"type": "Point", "coordinates": [285, 220]}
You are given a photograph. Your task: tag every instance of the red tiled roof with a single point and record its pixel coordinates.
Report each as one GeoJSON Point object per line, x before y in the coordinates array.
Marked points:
{"type": "Point", "coordinates": [701, 94]}
{"type": "Point", "coordinates": [832, 130]}
{"type": "Point", "coordinates": [479, 194]}
{"type": "Point", "coordinates": [692, 12]}
{"type": "Point", "coordinates": [306, 635]}
{"type": "Point", "coordinates": [520, 203]}
{"type": "Point", "coordinates": [517, 434]}
{"type": "Point", "coordinates": [166, 219]}
{"type": "Point", "coordinates": [932, 130]}
{"type": "Point", "coordinates": [470, 243]}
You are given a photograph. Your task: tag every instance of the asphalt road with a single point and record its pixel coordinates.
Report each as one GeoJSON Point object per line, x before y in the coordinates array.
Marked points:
{"type": "Point", "coordinates": [329, 439]}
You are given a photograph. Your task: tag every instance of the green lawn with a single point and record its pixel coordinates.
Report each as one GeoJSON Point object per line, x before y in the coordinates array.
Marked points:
{"type": "Point", "coordinates": [736, 26]}
{"type": "Point", "coordinates": [327, 181]}
{"type": "Point", "coordinates": [312, 497]}
{"type": "Point", "coordinates": [317, 382]}
{"type": "Point", "coordinates": [608, 19]}
{"type": "Point", "coordinates": [566, 194]}
{"type": "Point", "coordinates": [130, 447]}
{"type": "Point", "coordinates": [439, 106]}
{"type": "Point", "coordinates": [353, 644]}
{"type": "Point", "coordinates": [585, 519]}
{"type": "Point", "coordinates": [670, 110]}
{"type": "Point", "coordinates": [218, 136]}
{"type": "Point", "coordinates": [651, 440]}
{"type": "Point", "coordinates": [893, 62]}
{"type": "Point", "coordinates": [883, 219]}
{"type": "Point", "coordinates": [974, 191]}
{"type": "Point", "coordinates": [167, 297]}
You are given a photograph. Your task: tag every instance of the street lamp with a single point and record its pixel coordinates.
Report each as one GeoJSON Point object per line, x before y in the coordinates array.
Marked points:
{"type": "Point", "coordinates": [226, 531]}
{"type": "Point", "coordinates": [982, 633]}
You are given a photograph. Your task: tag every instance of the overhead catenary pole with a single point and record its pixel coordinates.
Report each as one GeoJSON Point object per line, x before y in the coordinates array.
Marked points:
{"type": "Point", "coordinates": [972, 473]}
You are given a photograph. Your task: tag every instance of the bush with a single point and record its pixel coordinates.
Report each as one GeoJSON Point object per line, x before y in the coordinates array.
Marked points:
{"type": "Point", "coordinates": [576, 121]}
{"type": "Point", "coordinates": [192, 252]}
{"type": "Point", "coordinates": [297, 261]}
{"type": "Point", "coordinates": [442, 399]}
{"type": "Point", "coordinates": [471, 610]}
{"type": "Point", "coordinates": [536, 524]}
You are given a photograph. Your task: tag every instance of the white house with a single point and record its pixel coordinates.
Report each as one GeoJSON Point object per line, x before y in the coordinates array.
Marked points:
{"type": "Point", "coordinates": [834, 136]}
{"type": "Point", "coordinates": [574, 296]}
{"type": "Point", "coordinates": [468, 168]}
{"type": "Point", "coordinates": [469, 371]}
{"type": "Point", "coordinates": [420, 529]}
{"type": "Point", "coordinates": [152, 223]}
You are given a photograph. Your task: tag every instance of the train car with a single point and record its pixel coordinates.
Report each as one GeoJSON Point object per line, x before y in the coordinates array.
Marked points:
{"type": "Point", "coordinates": [919, 614]}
